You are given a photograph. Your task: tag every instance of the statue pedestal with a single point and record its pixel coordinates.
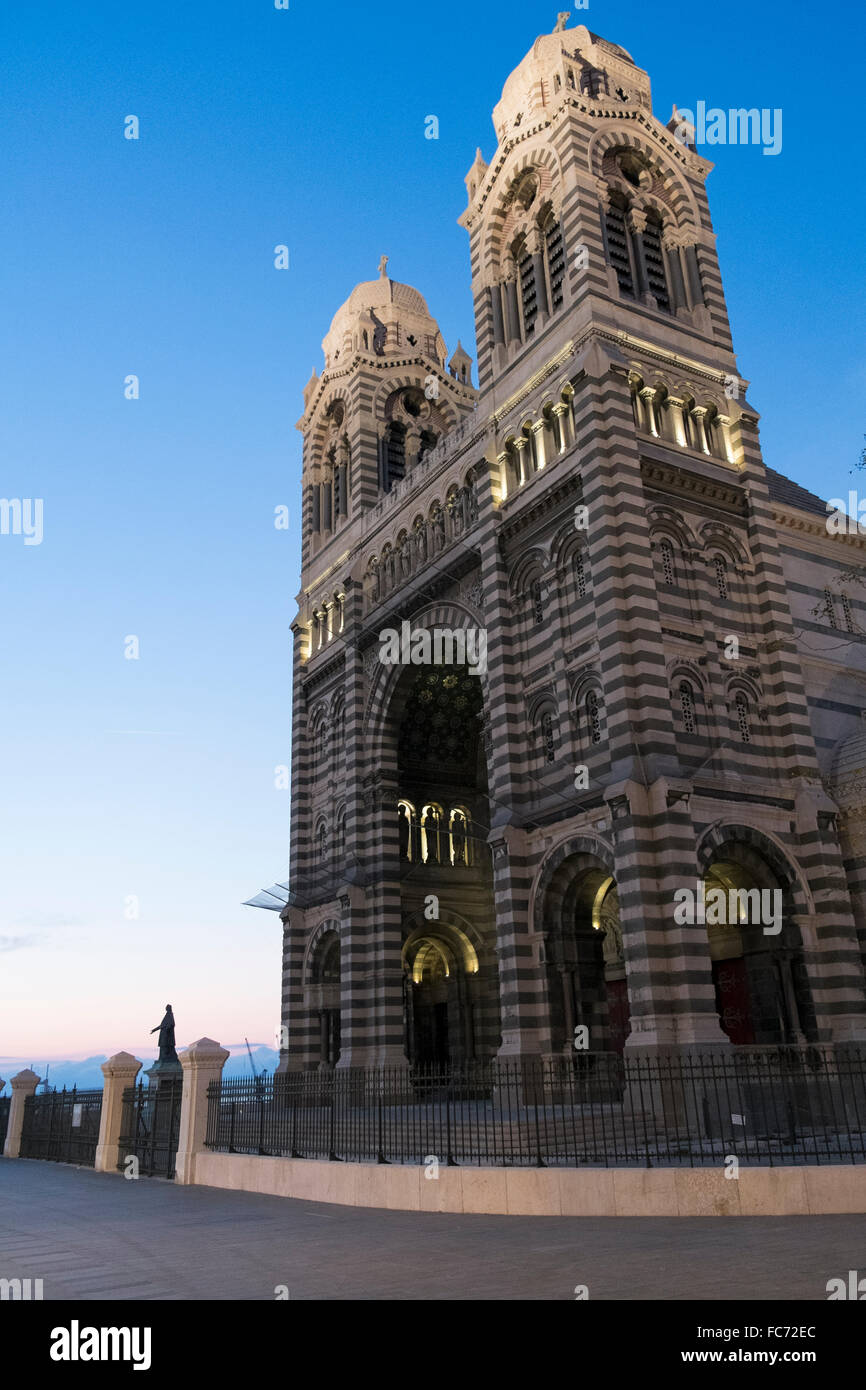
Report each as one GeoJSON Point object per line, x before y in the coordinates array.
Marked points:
{"type": "Point", "coordinates": [164, 1071]}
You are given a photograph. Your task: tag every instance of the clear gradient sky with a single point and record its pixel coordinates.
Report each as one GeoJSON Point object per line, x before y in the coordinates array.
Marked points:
{"type": "Point", "coordinates": [155, 778]}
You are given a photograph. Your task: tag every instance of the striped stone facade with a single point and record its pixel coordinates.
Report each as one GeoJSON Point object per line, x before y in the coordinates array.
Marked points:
{"type": "Point", "coordinates": [484, 864]}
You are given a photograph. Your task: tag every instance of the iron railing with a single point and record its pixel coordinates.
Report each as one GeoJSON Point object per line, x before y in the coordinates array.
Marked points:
{"type": "Point", "coordinates": [5, 1104]}
{"type": "Point", "coordinates": [783, 1105]}
{"type": "Point", "coordinates": [62, 1126]}
{"type": "Point", "coordinates": [150, 1125]}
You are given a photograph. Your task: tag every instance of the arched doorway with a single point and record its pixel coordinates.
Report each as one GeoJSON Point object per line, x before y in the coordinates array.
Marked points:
{"type": "Point", "coordinates": [759, 974]}
{"type": "Point", "coordinates": [325, 997]}
{"type": "Point", "coordinates": [441, 973]}
{"type": "Point", "coordinates": [586, 969]}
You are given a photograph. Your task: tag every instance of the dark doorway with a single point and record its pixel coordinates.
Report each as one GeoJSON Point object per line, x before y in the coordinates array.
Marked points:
{"type": "Point", "coordinates": [431, 1029]}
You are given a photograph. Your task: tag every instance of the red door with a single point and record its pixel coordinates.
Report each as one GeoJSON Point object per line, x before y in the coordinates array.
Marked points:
{"type": "Point", "coordinates": [732, 999]}
{"type": "Point", "coordinates": [618, 1017]}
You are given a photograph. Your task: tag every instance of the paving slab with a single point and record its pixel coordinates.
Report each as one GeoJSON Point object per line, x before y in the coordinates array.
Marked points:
{"type": "Point", "coordinates": [99, 1236]}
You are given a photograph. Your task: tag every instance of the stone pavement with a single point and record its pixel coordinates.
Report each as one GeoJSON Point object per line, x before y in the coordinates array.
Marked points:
{"type": "Point", "coordinates": [96, 1236]}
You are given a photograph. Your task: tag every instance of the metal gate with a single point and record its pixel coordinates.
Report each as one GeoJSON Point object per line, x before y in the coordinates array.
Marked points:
{"type": "Point", "coordinates": [62, 1125]}
{"type": "Point", "coordinates": [150, 1126]}
{"type": "Point", "coordinates": [5, 1103]}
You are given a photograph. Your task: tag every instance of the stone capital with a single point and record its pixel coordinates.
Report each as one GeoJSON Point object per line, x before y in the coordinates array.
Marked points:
{"type": "Point", "coordinates": [122, 1064]}
{"type": "Point", "coordinates": [26, 1081]}
{"type": "Point", "coordinates": [637, 220]}
{"type": "Point", "coordinates": [205, 1052]}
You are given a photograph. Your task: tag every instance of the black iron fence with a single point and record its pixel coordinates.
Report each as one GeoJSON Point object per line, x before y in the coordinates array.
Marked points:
{"type": "Point", "coordinates": [5, 1103]}
{"type": "Point", "coordinates": [62, 1125]}
{"type": "Point", "coordinates": [784, 1105]}
{"type": "Point", "coordinates": [150, 1125]}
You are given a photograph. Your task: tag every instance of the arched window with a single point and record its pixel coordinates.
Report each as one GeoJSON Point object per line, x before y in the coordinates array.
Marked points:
{"type": "Point", "coordinates": [687, 706]}
{"type": "Point", "coordinates": [321, 745]}
{"type": "Point", "coordinates": [528, 289]}
{"type": "Point", "coordinates": [593, 716]}
{"type": "Point", "coordinates": [394, 461]}
{"type": "Point", "coordinates": [341, 482]}
{"type": "Point", "coordinates": [579, 569]}
{"type": "Point", "coordinates": [340, 833]}
{"type": "Point", "coordinates": [537, 595]}
{"type": "Point", "coordinates": [654, 261]}
{"type": "Point", "coordinates": [618, 249]}
{"type": "Point", "coordinates": [322, 841]}
{"type": "Point", "coordinates": [741, 704]}
{"type": "Point", "coordinates": [459, 836]}
{"type": "Point", "coordinates": [548, 736]}
{"type": "Point", "coordinates": [721, 576]}
{"type": "Point", "coordinates": [669, 573]}
{"type": "Point", "coordinates": [431, 829]}
{"type": "Point", "coordinates": [555, 254]}
{"type": "Point", "coordinates": [406, 813]}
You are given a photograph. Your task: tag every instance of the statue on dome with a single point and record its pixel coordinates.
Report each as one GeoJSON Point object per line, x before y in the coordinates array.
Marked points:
{"type": "Point", "coordinates": [383, 267]}
{"type": "Point", "coordinates": [561, 20]}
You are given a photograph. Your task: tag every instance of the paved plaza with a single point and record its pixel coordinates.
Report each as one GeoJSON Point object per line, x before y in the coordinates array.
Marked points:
{"type": "Point", "coordinates": [90, 1235]}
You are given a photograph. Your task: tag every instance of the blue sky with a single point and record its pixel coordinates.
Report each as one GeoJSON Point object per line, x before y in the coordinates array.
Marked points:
{"type": "Point", "coordinates": [154, 778]}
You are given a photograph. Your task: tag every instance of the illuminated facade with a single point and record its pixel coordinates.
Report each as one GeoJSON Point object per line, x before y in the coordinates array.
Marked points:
{"type": "Point", "coordinates": [482, 863]}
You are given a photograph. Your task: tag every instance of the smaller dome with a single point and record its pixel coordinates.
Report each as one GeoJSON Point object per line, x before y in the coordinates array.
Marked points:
{"type": "Point", "coordinates": [383, 316]}
{"type": "Point", "coordinates": [377, 294]}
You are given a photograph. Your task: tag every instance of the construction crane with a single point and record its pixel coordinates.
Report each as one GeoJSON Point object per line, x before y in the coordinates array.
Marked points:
{"type": "Point", "coordinates": [256, 1078]}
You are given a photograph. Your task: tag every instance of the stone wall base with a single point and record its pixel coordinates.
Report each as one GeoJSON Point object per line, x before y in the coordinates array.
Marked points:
{"type": "Point", "coordinates": [546, 1192]}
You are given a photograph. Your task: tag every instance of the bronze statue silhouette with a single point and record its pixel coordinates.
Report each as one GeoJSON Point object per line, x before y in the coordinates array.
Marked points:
{"type": "Point", "coordinates": [165, 1029]}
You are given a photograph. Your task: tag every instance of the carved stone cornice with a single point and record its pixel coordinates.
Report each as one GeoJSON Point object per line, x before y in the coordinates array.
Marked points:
{"type": "Point", "coordinates": [813, 525]}
{"type": "Point", "coordinates": [312, 680]}
{"type": "Point", "coordinates": [668, 478]}
{"type": "Point", "coordinates": [533, 512]}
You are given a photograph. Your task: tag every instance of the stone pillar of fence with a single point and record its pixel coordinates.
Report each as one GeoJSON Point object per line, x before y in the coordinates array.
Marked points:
{"type": "Point", "coordinates": [119, 1071]}
{"type": "Point", "coordinates": [23, 1085]}
{"type": "Point", "coordinates": [202, 1063]}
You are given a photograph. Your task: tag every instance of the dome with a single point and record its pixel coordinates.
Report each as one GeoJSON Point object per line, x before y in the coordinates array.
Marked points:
{"type": "Point", "coordinates": [377, 294]}
{"type": "Point", "coordinates": [529, 88]}
{"type": "Point", "coordinates": [383, 316]}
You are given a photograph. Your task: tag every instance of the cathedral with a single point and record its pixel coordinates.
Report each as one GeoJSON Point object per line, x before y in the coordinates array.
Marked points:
{"type": "Point", "coordinates": [570, 662]}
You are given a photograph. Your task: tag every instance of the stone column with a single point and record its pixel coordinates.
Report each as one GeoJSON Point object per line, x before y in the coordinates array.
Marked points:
{"type": "Point", "coordinates": [520, 444]}
{"type": "Point", "coordinates": [648, 397]}
{"type": "Point", "coordinates": [694, 277]}
{"type": "Point", "coordinates": [496, 310]}
{"type": "Point", "coordinates": [512, 313]}
{"type": "Point", "coordinates": [539, 429]}
{"type": "Point", "coordinates": [537, 254]}
{"type": "Point", "coordinates": [566, 425]}
{"type": "Point", "coordinates": [119, 1071]}
{"type": "Point", "coordinates": [503, 461]}
{"type": "Point", "coordinates": [727, 444]}
{"type": "Point", "coordinates": [636, 222]}
{"type": "Point", "coordinates": [202, 1063]}
{"type": "Point", "coordinates": [679, 298]}
{"type": "Point", "coordinates": [699, 414]}
{"type": "Point", "coordinates": [23, 1085]}
{"type": "Point", "coordinates": [676, 406]}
